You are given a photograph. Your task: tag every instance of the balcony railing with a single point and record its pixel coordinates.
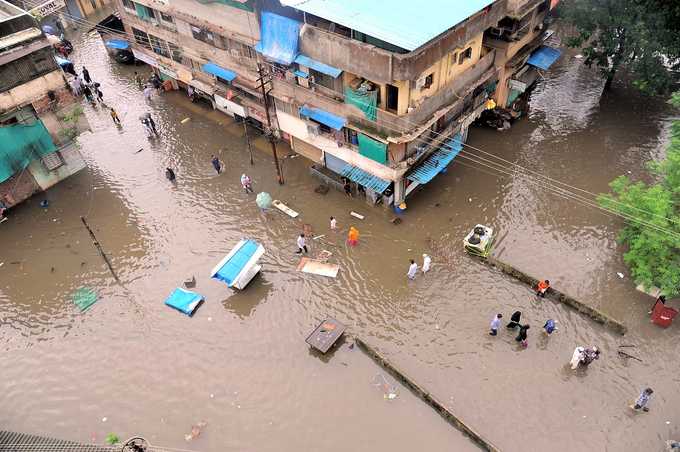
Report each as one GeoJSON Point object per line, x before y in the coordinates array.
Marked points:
{"type": "Point", "coordinates": [389, 124]}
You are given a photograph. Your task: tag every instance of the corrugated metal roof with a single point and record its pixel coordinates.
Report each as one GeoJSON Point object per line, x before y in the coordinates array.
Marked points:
{"type": "Point", "coordinates": [405, 23]}
{"type": "Point", "coordinates": [366, 179]}
{"type": "Point", "coordinates": [324, 117]}
{"type": "Point", "coordinates": [304, 60]}
{"type": "Point", "coordinates": [437, 161]}
{"type": "Point", "coordinates": [544, 57]}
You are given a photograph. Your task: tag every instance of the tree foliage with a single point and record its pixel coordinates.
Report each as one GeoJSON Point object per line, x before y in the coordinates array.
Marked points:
{"type": "Point", "coordinates": [652, 229]}
{"type": "Point", "coordinates": [640, 35]}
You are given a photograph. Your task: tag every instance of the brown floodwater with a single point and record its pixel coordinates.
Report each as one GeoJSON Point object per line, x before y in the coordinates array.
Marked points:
{"type": "Point", "coordinates": [241, 363]}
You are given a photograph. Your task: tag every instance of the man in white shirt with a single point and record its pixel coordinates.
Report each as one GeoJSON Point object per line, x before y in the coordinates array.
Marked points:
{"type": "Point", "coordinates": [334, 224]}
{"type": "Point", "coordinates": [427, 261]}
{"type": "Point", "coordinates": [302, 244]}
{"type": "Point", "coordinates": [412, 270]}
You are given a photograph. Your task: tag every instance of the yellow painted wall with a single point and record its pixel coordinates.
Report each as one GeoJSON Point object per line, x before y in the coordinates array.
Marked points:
{"type": "Point", "coordinates": [446, 70]}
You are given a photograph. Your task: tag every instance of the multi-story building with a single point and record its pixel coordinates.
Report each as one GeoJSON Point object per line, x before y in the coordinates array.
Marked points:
{"type": "Point", "coordinates": [378, 93]}
{"type": "Point", "coordinates": [39, 117]}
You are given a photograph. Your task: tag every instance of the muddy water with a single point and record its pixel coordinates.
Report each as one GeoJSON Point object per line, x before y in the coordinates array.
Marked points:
{"type": "Point", "coordinates": [241, 363]}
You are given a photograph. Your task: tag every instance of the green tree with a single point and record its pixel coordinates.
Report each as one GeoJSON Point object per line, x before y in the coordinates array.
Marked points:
{"type": "Point", "coordinates": [652, 228]}
{"type": "Point", "coordinates": [638, 35]}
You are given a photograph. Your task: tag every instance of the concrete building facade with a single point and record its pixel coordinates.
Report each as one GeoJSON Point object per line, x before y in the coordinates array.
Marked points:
{"type": "Point", "coordinates": [39, 117]}
{"type": "Point", "coordinates": [380, 97]}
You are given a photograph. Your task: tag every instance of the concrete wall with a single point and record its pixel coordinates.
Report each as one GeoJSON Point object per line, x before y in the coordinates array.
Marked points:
{"type": "Point", "coordinates": [385, 67]}
{"type": "Point", "coordinates": [17, 188]}
{"type": "Point", "coordinates": [233, 23]}
{"type": "Point", "coordinates": [34, 90]}
{"type": "Point", "coordinates": [298, 129]}
{"type": "Point", "coordinates": [73, 163]}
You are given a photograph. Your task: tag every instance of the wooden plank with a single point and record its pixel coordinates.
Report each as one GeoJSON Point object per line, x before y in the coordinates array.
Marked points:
{"type": "Point", "coordinates": [284, 208]}
{"type": "Point", "coordinates": [316, 267]}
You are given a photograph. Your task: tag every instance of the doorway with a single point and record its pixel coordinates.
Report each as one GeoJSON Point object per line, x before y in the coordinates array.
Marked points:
{"type": "Point", "coordinates": [392, 98]}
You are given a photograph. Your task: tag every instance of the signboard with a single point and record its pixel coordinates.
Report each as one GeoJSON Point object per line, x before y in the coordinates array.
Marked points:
{"type": "Point", "coordinates": [47, 8]}
{"type": "Point", "coordinates": [141, 56]}
{"type": "Point", "coordinates": [517, 85]}
{"type": "Point", "coordinates": [229, 107]}
{"type": "Point", "coordinates": [257, 114]}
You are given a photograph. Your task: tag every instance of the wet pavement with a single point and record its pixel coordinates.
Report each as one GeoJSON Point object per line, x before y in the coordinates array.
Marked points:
{"type": "Point", "coordinates": [241, 363]}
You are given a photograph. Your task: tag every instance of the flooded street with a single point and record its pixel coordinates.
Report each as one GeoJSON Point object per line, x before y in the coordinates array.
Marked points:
{"type": "Point", "coordinates": [241, 363]}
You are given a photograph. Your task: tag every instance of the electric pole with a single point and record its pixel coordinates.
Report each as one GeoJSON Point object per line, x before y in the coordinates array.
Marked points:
{"type": "Point", "coordinates": [269, 132]}
{"type": "Point", "coordinates": [245, 130]}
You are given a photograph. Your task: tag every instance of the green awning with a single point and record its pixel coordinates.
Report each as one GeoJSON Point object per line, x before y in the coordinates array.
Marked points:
{"type": "Point", "coordinates": [21, 144]}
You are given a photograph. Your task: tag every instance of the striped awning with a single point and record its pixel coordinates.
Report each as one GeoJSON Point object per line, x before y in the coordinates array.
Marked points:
{"type": "Point", "coordinates": [437, 161]}
{"type": "Point", "coordinates": [368, 180]}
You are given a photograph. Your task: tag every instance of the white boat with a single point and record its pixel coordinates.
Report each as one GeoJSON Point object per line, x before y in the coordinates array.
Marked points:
{"type": "Point", "coordinates": [240, 266]}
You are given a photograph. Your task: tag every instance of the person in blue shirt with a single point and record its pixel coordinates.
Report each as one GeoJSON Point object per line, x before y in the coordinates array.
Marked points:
{"type": "Point", "coordinates": [550, 326]}
{"type": "Point", "coordinates": [643, 400]}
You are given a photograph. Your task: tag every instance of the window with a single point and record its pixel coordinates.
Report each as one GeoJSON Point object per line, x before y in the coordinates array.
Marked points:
{"type": "Point", "coordinates": [428, 81]}
{"type": "Point", "coordinates": [159, 46]}
{"type": "Point", "coordinates": [175, 52]}
{"type": "Point", "coordinates": [392, 97]}
{"type": "Point", "coordinates": [237, 49]}
{"type": "Point", "coordinates": [167, 18]}
{"type": "Point", "coordinates": [202, 34]}
{"type": "Point", "coordinates": [144, 12]}
{"type": "Point", "coordinates": [319, 78]}
{"type": "Point", "coordinates": [454, 57]}
{"type": "Point", "coordinates": [128, 4]}
{"type": "Point", "coordinates": [465, 55]}
{"type": "Point", "coordinates": [141, 37]}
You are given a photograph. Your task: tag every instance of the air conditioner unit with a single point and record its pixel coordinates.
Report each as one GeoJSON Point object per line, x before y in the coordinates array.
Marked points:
{"type": "Point", "coordinates": [313, 128]}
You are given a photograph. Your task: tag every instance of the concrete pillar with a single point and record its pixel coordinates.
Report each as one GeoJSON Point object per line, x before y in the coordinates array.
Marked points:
{"type": "Point", "coordinates": [399, 191]}
{"type": "Point", "coordinates": [464, 134]}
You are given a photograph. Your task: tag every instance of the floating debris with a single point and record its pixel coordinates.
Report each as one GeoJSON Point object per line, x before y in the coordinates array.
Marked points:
{"type": "Point", "coordinates": [84, 298]}
{"type": "Point", "coordinates": [195, 431]}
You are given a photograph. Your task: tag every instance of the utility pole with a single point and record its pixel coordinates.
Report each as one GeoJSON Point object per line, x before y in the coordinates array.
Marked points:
{"type": "Point", "coordinates": [269, 132]}
{"type": "Point", "coordinates": [245, 130]}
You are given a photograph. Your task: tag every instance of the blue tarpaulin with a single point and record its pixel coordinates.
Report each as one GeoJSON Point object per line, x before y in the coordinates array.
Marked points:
{"type": "Point", "coordinates": [368, 180]}
{"type": "Point", "coordinates": [319, 115]}
{"type": "Point", "coordinates": [62, 61]}
{"type": "Point", "coordinates": [184, 301]}
{"type": "Point", "coordinates": [301, 74]}
{"type": "Point", "coordinates": [436, 162]}
{"type": "Point", "coordinates": [119, 44]}
{"type": "Point", "coordinates": [219, 71]}
{"type": "Point", "coordinates": [318, 66]}
{"type": "Point", "coordinates": [280, 37]}
{"type": "Point", "coordinates": [233, 265]}
{"type": "Point", "coordinates": [544, 57]}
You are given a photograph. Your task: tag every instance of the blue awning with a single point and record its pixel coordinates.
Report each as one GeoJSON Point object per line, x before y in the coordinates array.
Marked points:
{"type": "Point", "coordinates": [544, 57]}
{"type": "Point", "coordinates": [319, 115]}
{"type": "Point", "coordinates": [437, 161]}
{"type": "Point", "coordinates": [318, 66]}
{"type": "Point", "coordinates": [120, 44]}
{"type": "Point", "coordinates": [219, 71]}
{"type": "Point", "coordinates": [366, 179]}
{"type": "Point", "coordinates": [279, 40]}
{"type": "Point", "coordinates": [301, 74]}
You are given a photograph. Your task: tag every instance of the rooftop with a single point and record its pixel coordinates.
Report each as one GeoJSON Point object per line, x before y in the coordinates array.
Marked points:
{"type": "Point", "coordinates": [405, 23]}
{"type": "Point", "coordinates": [7, 11]}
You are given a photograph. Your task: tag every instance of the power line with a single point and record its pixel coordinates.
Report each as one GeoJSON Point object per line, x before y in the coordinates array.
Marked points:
{"type": "Point", "coordinates": [526, 172]}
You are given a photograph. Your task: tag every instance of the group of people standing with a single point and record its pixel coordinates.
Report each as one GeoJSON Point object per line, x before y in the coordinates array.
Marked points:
{"type": "Point", "coordinates": [82, 84]}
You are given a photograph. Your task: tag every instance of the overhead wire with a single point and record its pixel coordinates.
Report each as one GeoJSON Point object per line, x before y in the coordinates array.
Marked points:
{"type": "Point", "coordinates": [553, 183]}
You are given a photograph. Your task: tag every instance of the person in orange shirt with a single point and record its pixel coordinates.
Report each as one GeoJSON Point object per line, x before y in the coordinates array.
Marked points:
{"type": "Point", "coordinates": [353, 236]}
{"type": "Point", "coordinates": [542, 288]}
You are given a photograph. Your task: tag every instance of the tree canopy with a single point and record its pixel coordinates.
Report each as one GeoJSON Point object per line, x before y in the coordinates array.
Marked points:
{"type": "Point", "coordinates": [652, 229]}
{"type": "Point", "coordinates": [639, 35]}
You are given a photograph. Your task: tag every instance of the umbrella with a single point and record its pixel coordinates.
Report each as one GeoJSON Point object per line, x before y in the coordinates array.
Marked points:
{"type": "Point", "coordinates": [263, 200]}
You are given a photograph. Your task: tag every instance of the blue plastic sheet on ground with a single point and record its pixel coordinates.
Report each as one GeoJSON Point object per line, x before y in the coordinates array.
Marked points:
{"type": "Point", "coordinates": [279, 38]}
{"type": "Point", "coordinates": [324, 117]}
{"type": "Point", "coordinates": [229, 270]}
{"type": "Point", "coordinates": [184, 301]}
